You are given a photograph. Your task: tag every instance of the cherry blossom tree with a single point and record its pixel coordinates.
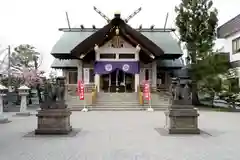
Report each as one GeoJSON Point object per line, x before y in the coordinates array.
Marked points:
{"type": "Point", "coordinates": [31, 77]}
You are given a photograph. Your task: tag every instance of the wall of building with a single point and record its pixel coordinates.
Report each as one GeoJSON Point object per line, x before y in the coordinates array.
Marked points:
{"type": "Point", "coordinates": [228, 47]}
{"type": "Point", "coordinates": [84, 70]}
{"type": "Point", "coordinates": [116, 46]}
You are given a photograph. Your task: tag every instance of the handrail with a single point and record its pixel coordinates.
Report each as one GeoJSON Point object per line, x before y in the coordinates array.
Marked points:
{"type": "Point", "coordinates": [140, 95]}
{"type": "Point", "coordinates": [94, 95]}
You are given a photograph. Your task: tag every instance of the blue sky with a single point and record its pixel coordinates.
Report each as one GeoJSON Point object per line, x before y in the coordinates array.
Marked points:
{"type": "Point", "coordinates": [36, 22]}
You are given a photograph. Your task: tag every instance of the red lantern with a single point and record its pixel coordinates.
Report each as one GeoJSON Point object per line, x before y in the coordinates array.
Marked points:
{"type": "Point", "coordinates": [81, 90]}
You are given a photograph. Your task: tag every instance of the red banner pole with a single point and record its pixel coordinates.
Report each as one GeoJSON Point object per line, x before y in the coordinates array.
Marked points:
{"type": "Point", "coordinates": [147, 94]}
{"type": "Point", "coordinates": [81, 90]}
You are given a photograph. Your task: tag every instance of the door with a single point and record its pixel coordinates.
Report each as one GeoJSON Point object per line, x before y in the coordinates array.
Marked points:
{"type": "Point", "coordinates": [113, 81]}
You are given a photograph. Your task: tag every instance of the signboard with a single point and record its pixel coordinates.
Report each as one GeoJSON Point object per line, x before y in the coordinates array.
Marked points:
{"type": "Point", "coordinates": [81, 89]}
{"type": "Point", "coordinates": [146, 91]}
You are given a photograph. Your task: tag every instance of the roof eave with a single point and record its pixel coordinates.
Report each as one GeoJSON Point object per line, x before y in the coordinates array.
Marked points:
{"type": "Point", "coordinates": [229, 28]}
{"type": "Point", "coordinates": [170, 56]}
{"type": "Point", "coordinates": [63, 56]}
{"type": "Point", "coordinates": [169, 67]}
{"type": "Point", "coordinates": [62, 67]}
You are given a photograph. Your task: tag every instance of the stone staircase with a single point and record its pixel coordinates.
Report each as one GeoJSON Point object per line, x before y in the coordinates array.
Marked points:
{"type": "Point", "coordinates": [159, 101]}
{"type": "Point", "coordinates": [74, 101]}
{"type": "Point", "coordinates": [117, 102]}
{"type": "Point", "coordinates": [120, 102]}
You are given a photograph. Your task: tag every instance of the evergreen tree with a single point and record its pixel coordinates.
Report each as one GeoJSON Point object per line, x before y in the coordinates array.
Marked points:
{"type": "Point", "coordinates": [230, 89]}
{"type": "Point", "coordinates": [211, 73]}
{"type": "Point", "coordinates": [196, 21]}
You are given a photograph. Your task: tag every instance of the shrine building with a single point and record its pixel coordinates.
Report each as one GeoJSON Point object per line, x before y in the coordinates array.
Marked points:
{"type": "Point", "coordinates": [117, 57]}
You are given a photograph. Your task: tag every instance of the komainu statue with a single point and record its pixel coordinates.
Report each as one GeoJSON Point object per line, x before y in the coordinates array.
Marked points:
{"type": "Point", "coordinates": [176, 89]}
{"type": "Point", "coordinates": [181, 92]}
{"type": "Point", "coordinates": [187, 94]}
{"type": "Point", "coordinates": [61, 90]}
{"type": "Point", "coordinates": [54, 95]}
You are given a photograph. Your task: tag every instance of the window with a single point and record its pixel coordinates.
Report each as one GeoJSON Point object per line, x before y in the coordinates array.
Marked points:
{"type": "Point", "coordinates": [126, 56]}
{"type": "Point", "coordinates": [107, 56]}
{"type": "Point", "coordinates": [236, 45]}
{"type": "Point", "coordinates": [72, 77]}
{"type": "Point", "coordinates": [91, 75]}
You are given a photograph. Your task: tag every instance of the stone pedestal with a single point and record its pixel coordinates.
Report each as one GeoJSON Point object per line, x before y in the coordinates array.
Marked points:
{"type": "Point", "coordinates": [182, 119]}
{"type": "Point", "coordinates": [54, 121]}
{"type": "Point", "coordinates": [3, 119]}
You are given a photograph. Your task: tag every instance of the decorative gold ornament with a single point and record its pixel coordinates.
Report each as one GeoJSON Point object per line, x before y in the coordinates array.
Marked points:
{"type": "Point", "coordinates": [138, 48]}
{"type": "Point", "coordinates": [96, 48]}
{"type": "Point", "coordinates": [117, 31]}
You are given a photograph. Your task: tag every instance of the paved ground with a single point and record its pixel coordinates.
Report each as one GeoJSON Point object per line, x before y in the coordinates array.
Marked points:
{"type": "Point", "coordinates": [123, 136]}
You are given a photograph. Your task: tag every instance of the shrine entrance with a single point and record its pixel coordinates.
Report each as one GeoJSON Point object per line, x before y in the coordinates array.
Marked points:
{"type": "Point", "coordinates": [117, 81]}
{"type": "Point", "coordinates": [117, 76]}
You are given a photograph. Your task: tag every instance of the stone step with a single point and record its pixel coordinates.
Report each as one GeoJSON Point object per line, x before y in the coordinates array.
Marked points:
{"type": "Point", "coordinates": [117, 99]}
{"type": "Point", "coordinates": [117, 105]}
{"type": "Point", "coordinates": [128, 108]}
{"type": "Point", "coordinates": [119, 102]}
{"type": "Point", "coordinates": [104, 104]}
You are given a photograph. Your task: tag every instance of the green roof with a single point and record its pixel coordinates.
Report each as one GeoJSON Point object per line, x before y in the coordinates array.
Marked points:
{"type": "Point", "coordinates": [69, 40]}
{"type": "Point", "coordinates": [59, 64]}
{"type": "Point", "coordinates": [165, 41]}
{"type": "Point", "coordinates": [177, 63]}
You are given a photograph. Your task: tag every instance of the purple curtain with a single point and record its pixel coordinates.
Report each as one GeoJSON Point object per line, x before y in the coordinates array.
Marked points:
{"type": "Point", "coordinates": [103, 67]}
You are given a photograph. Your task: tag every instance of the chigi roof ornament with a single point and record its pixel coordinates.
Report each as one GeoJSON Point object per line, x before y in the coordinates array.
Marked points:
{"type": "Point", "coordinates": [101, 14]}
{"type": "Point", "coordinates": [117, 14]}
{"type": "Point", "coordinates": [133, 14]}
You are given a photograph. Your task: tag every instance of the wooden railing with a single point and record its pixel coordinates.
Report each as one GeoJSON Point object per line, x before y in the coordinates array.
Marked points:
{"type": "Point", "coordinates": [89, 93]}
{"type": "Point", "coordinates": [140, 95]}
{"type": "Point", "coordinates": [72, 89]}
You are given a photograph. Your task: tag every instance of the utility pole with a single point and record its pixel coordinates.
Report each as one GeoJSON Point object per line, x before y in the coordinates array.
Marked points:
{"type": "Point", "coordinates": [35, 59]}
{"type": "Point", "coordinates": [9, 68]}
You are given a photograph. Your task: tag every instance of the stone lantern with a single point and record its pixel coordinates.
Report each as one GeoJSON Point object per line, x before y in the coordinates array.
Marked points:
{"type": "Point", "coordinates": [23, 92]}
{"type": "Point", "coordinates": [3, 91]}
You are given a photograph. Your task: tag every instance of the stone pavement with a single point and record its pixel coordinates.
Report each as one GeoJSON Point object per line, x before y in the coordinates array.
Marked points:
{"type": "Point", "coordinates": [123, 136]}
